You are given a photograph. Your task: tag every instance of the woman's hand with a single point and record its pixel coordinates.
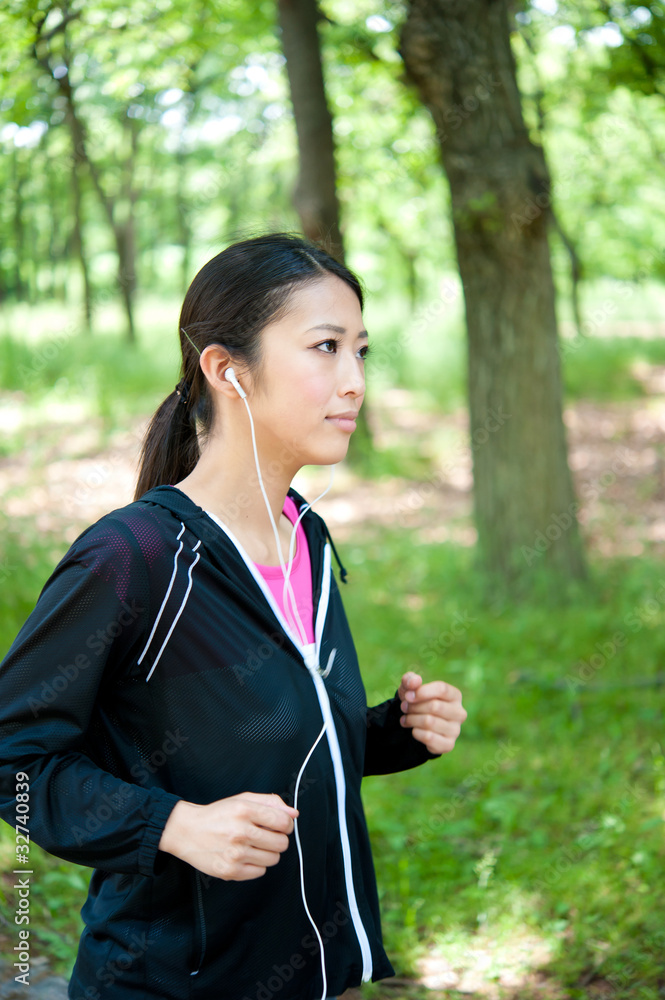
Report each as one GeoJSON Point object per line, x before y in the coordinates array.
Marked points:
{"type": "Point", "coordinates": [235, 839]}
{"type": "Point", "coordinates": [433, 711]}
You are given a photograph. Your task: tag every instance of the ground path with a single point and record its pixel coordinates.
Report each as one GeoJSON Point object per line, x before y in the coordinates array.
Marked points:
{"type": "Point", "coordinates": [64, 478]}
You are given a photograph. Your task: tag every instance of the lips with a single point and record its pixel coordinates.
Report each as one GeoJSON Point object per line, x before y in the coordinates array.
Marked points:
{"type": "Point", "coordinates": [345, 421]}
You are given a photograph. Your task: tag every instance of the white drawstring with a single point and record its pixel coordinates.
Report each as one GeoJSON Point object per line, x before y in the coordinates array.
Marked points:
{"type": "Point", "coordinates": [287, 582]}
{"type": "Point", "coordinates": [324, 673]}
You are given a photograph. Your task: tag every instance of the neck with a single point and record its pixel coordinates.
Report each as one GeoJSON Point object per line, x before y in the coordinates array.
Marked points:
{"type": "Point", "coordinates": [226, 483]}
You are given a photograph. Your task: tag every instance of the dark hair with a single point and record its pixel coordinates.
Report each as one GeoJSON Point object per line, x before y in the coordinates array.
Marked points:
{"type": "Point", "coordinates": [229, 302]}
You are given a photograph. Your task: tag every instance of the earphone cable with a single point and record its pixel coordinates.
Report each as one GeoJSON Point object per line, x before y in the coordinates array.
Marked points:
{"type": "Point", "coordinates": [302, 864]}
{"type": "Point", "coordinates": [295, 528]}
{"type": "Point", "coordinates": [288, 590]}
{"type": "Point", "coordinates": [295, 616]}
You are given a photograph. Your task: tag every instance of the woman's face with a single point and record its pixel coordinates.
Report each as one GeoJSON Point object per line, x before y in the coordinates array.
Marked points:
{"type": "Point", "coordinates": [311, 381]}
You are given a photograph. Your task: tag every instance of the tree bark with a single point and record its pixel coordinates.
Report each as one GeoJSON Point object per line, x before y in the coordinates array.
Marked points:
{"type": "Point", "coordinates": [18, 178]}
{"type": "Point", "coordinates": [315, 194]}
{"type": "Point", "coordinates": [125, 230]}
{"type": "Point", "coordinates": [79, 246]}
{"type": "Point", "coordinates": [458, 54]}
{"type": "Point", "coordinates": [122, 232]}
{"type": "Point", "coordinates": [183, 219]}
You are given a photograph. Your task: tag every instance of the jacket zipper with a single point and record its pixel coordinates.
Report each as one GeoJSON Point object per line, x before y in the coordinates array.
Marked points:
{"type": "Point", "coordinates": [310, 655]}
{"type": "Point", "coordinates": [200, 922]}
{"type": "Point", "coordinates": [338, 767]}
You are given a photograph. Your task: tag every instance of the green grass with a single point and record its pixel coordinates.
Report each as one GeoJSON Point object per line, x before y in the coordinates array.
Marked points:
{"type": "Point", "coordinates": [559, 837]}
{"type": "Point", "coordinates": [551, 835]}
{"type": "Point", "coordinates": [52, 361]}
{"type": "Point", "coordinates": [55, 368]}
{"type": "Point", "coordinates": [603, 369]}
{"type": "Point", "coordinates": [555, 832]}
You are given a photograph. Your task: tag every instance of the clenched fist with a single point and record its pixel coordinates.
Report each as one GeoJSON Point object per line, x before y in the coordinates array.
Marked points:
{"type": "Point", "coordinates": [235, 839]}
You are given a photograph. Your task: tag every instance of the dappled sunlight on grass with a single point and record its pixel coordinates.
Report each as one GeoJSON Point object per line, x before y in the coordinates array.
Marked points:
{"type": "Point", "coordinates": [492, 962]}
{"type": "Point", "coordinates": [19, 416]}
{"type": "Point", "coordinates": [528, 862]}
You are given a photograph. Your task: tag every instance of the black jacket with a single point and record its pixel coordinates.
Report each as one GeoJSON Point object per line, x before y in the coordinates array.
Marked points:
{"type": "Point", "coordinates": [154, 668]}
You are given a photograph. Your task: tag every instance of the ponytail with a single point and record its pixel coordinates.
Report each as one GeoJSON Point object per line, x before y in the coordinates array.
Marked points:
{"type": "Point", "coordinates": [170, 447]}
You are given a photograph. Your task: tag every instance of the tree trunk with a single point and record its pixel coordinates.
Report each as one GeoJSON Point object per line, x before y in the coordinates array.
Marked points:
{"type": "Point", "coordinates": [315, 195]}
{"type": "Point", "coordinates": [19, 230]}
{"type": "Point", "coordinates": [122, 232]}
{"type": "Point", "coordinates": [408, 256]}
{"type": "Point", "coordinates": [183, 219]}
{"type": "Point", "coordinates": [55, 252]}
{"type": "Point", "coordinates": [125, 231]}
{"type": "Point", "coordinates": [79, 246]}
{"type": "Point", "coordinates": [458, 54]}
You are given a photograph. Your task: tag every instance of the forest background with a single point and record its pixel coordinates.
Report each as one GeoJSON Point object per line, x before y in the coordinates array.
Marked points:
{"type": "Point", "coordinates": [529, 861]}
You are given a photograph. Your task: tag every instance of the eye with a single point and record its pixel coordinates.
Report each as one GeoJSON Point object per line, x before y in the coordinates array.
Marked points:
{"type": "Point", "coordinates": [332, 344]}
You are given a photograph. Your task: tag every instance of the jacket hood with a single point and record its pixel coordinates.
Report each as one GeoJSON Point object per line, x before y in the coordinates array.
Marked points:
{"type": "Point", "coordinates": [174, 500]}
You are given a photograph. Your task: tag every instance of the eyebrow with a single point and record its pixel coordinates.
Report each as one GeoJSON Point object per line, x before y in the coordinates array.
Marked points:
{"type": "Point", "coordinates": [336, 329]}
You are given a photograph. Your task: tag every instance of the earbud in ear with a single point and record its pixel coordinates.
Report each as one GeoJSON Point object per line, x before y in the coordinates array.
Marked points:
{"type": "Point", "coordinates": [230, 376]}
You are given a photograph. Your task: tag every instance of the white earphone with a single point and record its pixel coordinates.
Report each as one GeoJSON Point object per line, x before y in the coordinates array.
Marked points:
{"type": "Point", "coordinates": [230, 376]}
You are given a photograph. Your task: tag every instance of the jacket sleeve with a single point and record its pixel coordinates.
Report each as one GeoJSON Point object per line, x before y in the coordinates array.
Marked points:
{"type": "Point", "coordinates": [90, 618]}
{"type": "Point", "coordinates": [391, 747]}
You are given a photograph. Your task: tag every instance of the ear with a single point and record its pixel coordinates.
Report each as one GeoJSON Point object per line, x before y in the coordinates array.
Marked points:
{"type": "Point", "coordinates": [214, 361]}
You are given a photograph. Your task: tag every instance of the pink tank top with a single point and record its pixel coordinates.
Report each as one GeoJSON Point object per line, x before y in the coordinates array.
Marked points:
{"type": "Point", "coordinates": [300, 579]}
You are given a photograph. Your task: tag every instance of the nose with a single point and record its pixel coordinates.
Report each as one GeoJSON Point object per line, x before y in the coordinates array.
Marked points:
{"type": "Point", "coordinates": [352, 377]}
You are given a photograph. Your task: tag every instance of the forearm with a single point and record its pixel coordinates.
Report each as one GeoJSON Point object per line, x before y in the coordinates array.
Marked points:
{"type": "Point", "coordinates": [389, 746]}
{"type": "Point", "coordinates": [83, 814]}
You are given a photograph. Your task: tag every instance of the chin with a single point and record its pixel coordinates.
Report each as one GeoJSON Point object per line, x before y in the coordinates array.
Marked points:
{"type": "Point", "coordinates": [328, 456]}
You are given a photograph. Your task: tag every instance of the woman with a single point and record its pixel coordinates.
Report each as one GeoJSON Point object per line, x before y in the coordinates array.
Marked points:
{"type": "Point", "coordinates": [186, 708]}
